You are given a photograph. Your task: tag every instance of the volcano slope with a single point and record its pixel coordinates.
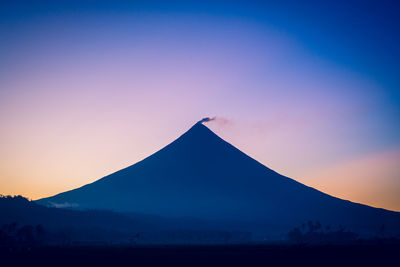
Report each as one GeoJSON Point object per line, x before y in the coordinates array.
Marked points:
{"type": "Point", "coordinates": [201, 176]}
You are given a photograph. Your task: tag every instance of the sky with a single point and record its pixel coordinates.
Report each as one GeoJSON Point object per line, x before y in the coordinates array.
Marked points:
{"type": "Point", "coordinates": [310, 89]}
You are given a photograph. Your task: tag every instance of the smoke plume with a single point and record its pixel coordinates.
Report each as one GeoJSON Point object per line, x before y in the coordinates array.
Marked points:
{"type": "Point", "coordinates": [220, 121]}
{"type": "Point", "coordinates": [207, 119]}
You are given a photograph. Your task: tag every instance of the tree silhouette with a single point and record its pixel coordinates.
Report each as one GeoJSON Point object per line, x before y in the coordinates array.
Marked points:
{"type": "Point", "coordinates": [315, 234]}
{"type": "Point", "coordinates": [26, 234]}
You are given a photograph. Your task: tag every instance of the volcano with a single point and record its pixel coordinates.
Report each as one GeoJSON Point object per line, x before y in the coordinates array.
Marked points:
{"type": "Point", "coordinates": [201, 176]}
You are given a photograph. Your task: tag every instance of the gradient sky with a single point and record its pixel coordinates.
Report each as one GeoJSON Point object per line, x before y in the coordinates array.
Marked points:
{"type": "Point", "coordinates": [311, 89]}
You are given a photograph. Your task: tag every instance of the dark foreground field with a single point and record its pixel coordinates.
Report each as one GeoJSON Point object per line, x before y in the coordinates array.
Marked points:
{"type": "Point", "coordinates": [250, 255]}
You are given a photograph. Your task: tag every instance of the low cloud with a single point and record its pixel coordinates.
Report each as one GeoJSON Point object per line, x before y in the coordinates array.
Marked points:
{"type": "Point", "coordinates": [63, 205]}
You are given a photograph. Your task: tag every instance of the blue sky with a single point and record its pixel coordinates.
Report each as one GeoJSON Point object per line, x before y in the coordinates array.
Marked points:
{"type": "Point", "coordinates": [308, 88]}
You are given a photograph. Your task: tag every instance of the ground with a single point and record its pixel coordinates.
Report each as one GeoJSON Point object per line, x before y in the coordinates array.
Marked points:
{"type": "Point", "coordinates": [243, 255]}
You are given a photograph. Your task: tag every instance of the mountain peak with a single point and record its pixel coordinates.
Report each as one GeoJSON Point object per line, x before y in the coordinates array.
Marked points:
{"type": "Point", "coordinates": [199, 132]}
{"type": "Point", "coordinates": [199, 125]}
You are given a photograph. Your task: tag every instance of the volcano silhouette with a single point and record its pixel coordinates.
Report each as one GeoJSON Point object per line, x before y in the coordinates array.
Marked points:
{"type": "Point", "coordinates": [200, 175]}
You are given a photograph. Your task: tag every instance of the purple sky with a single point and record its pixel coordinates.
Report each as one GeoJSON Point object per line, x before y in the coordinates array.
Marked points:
{"type": "Point", "coordinates": [85, 91]}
